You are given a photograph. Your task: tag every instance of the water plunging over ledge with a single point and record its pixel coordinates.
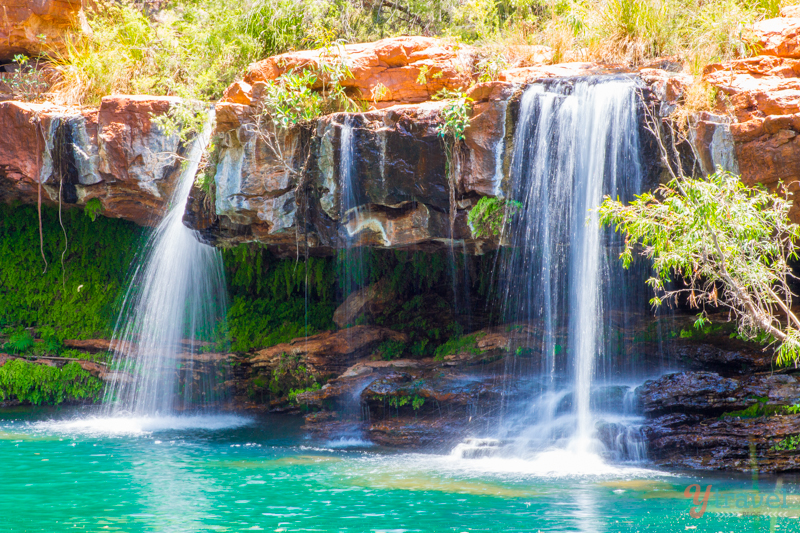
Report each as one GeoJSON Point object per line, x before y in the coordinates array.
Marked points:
{"type": "Point", "coordinates": [575, 141]}
{"type": "Point", "coordinates": [175, 299]}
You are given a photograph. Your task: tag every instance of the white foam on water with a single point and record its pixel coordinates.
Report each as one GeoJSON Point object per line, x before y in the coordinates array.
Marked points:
{"type": "Point", "coordinates": [550, 464]}
{"type": "Point", "coordinates": [349, 442]}
{"type": "Point", "coordinates": [139, 425]}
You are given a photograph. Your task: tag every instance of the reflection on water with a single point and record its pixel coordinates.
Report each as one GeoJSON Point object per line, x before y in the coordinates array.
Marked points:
{"type": "Point", "coordinates": [248, 473]}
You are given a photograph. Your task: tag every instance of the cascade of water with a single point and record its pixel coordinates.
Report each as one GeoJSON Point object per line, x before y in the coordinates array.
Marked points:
{"type": "Point", "coordinates": [351, 260]}
{"type": "Point", "coordinates": [575, 141]}
{"type": "Point", "coordinates": [175, 299]}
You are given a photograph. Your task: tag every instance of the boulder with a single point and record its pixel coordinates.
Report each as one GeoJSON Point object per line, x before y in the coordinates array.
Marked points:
{"type": "Point", "coordinates": [32, 27]}
{"type": "Point", "coordinates": [371, 299]}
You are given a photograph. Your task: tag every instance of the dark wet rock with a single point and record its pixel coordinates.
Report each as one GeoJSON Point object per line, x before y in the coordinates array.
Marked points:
{"type": "Point", "coordinates": [690, 391]}
{"type": "Point", "coordinates": [729, 443]}
{"type": "Point", "coordinates": [742, 358]}
{"type": "Point", "coordinates": [711, 394]}
{"type": "Point", "coordinates": [705, 421]}
{"type": "Point", "coordinates": [371, 300]}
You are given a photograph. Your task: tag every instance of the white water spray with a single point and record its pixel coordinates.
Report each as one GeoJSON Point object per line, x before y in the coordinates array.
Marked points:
{"type": "Point", "coordinates": [175, 299]}
{"type": "Point", "coordinates": [575, 141]}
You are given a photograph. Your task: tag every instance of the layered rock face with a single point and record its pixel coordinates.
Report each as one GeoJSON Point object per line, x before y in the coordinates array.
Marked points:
{"type": "Point", "coordinates": [760, 97]}
{"type": "Point", "coordinates": [113, 153]}
{"type": "Point", "coordinates": [376, 178]}
{"type": "Point", "coordinates": [731, 412]}
{"type": "Point", "coordinates": [31, 27]}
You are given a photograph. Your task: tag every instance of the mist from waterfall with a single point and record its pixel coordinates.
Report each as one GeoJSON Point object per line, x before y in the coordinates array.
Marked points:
{"type": "Point", "coordinates": [560, 277]}
{"type": "Point", "coordinates": [175, 300]}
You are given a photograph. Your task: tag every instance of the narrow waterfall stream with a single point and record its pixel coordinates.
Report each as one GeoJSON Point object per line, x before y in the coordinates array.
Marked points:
{"type": "Point", "coordinates": [175, 299]}
{"type": "Point", "coordinates": [575, 141]}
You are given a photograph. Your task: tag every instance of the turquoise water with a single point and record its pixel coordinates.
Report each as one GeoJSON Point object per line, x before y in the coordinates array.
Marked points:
{"type": "Point", "coordinates": [65, 470]}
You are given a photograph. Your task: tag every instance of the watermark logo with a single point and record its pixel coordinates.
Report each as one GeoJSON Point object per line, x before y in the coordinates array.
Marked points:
{"type": "Point", "coordinates": [700, 500]}
{"type": "Point", "coordinates": [745, 501]}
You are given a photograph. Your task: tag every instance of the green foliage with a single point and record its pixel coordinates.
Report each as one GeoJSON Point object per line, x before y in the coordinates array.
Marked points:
{"type": "Point", "coordinates": [275, 300]}
{"type": "Point", "coordinates": [790, 443]}
{"type": "Point", "coordinates": [96, 266]}
{"type": "Point", "coordinates": [758, 409]}
{"type": "Point", "coordinates": [27, 82]}
{"type": "Point", "coordinates": [42, 384]}
{"type": "Point", "coordinates": [184, 118]}
{"type": "Point", "coordinates": [458, 345]}
{"type": "Point", "coordinates": [454, 117]}
{"type": "Point", "coordinates": [295, 392]}
{"type": "Point", "coordinates": [490, 216]}
{"type": "Point", "coordinates": [730, 243]}
{"type": "Point", "coordinates": [289, 377]}
{"type": "Point", "coordinates": [19, 342]}
{"type": "Point", "coordinates": [293, 98]}
{"type": "Point", "coordinates": [416, 401]}
{"type": "Point", "coordinates": [192, 49]}
{"type": "Point", "coordinates": [93, 208]}
{"type": "Point", "coordinates": [390, 350]}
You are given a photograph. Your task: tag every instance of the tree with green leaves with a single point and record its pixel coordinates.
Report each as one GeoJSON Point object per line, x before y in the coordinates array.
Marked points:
{"type": "Point", "coordinates": [731, 245]}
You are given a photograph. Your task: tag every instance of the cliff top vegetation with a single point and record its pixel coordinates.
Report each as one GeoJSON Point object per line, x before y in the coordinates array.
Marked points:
{"type": "Point", "coordinates": [195, 49]}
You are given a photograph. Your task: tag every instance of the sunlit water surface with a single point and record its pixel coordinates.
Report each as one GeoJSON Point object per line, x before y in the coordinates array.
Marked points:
{"type": "Point", "coordinates": [67, 470]}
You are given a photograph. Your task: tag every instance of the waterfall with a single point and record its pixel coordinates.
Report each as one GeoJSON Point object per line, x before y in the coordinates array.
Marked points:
{"type": "Point", "coordinates": [175, 299]}
{"type": "Point", "coordinates": [352, 264]}
{"type": "Point", "coordinates": [575, 141]}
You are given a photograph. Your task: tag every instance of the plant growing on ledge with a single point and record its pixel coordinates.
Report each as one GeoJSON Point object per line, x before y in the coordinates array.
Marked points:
{"type": "Point", "coordinates": [454, 121]}
{"type": "Point", "coordinates": [490, 216]}
{"type": "Point", "coordinates": [731, 245]}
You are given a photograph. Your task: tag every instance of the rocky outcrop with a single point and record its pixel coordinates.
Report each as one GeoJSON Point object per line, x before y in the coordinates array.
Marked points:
{"type": "Point", "coordinates": [706, 421]}
{"type": "Point", "coordinates": [371, 300]}
{"type": "Point", "coordinates": [754, 128]}
{"type": "Point", "coordinates": [394, 148]}
{"type": "Point", "coordinates": [396, 190]}
{"type": "Point", "coordinates": [396, 70]}
{"type": "Point", "coordinates": [327, 353]}
{"type": "Point", "coordinates": [113, 153]}
{"type": "Point", "coordinates": [32, 27]}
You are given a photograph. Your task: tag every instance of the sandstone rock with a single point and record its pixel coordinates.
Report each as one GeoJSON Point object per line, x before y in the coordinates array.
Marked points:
{"type": "Point", "coordinates": [530, 74]}
{"type": "Point", "coordinates": [89, 345]}
{"type": "Point", "coordinates": [330, 352]}
{"type": "Point", "coordinates": [409, 69]}
{"type": "Point", "coordinates": [778, 36]}
{"type": "Point", "coordinates": [763, 94]}
{"type": "Point", "coordinates": [790, 11]}
{"type": "Point", "coordinates": [23, 23]}
{"type": "Point", "coordinates": [112, 153]}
